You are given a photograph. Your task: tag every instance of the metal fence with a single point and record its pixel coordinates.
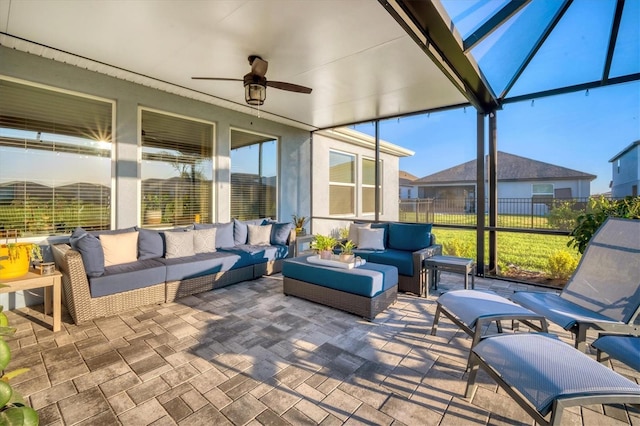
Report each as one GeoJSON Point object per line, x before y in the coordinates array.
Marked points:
{"type": "Point", "coordinates": [520, 213]}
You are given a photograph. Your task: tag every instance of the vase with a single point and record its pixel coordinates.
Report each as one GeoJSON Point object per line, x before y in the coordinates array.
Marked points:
{"type": "Point", "coordinates": [326, 254]}
{"type": "Point", "coordinates": [347, 258]}
{"type": "Point", "coordinates": [19, 265]}
{"type": "Point", "coordinates": [152, 217]}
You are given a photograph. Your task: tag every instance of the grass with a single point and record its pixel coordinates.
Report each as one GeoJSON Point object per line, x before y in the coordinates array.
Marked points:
{"type": "Point", "coordinates": [529, 252]}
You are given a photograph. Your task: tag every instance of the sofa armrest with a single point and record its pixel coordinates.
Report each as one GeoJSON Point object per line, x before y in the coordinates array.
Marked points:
{"type": "Point", "coordinates": [422, 254]}
{"type": "Point", "coordinates": [75, 284]}
{"type": "Point", "coordinates": [291, 243]}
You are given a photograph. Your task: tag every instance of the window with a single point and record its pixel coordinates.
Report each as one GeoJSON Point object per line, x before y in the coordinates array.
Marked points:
{"type": "Point", "coordinates": [177, 170]}
{"type": "Point", "coordinates": [545, 189]}
{"type": "Point", "coordinates": [342, 183]}
{"type": "Point", "coordinates": [369, 185]}
{"type": "Point", "coordinates": [55, 161]}
{"type": "Point", "coordinates": [254, 177]}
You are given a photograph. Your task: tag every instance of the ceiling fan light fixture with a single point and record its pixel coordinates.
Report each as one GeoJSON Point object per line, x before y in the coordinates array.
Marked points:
{"type": "Point", "coordinates": [255, 89]}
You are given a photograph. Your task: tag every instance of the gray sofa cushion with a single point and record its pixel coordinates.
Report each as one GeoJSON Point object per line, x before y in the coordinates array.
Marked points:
{"type": "Point", "coordinates": [280, 232]}
{"type": "Point", "coordinates": [127, 276]}
{"type": "Point", "coordinates": [150, 244]}
{"type": "Point", "coordinates": [224, 233]}
{"type": "Point", "coordinates": [240, 231]}
{"type": "Point", "coordinates": [180, 268]}
{"type": "Point", "coordinates": [90, 249]}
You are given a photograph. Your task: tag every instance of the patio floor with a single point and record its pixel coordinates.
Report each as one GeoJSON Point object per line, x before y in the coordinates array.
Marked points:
{"type": "Point", "coordinates": [247, 354]}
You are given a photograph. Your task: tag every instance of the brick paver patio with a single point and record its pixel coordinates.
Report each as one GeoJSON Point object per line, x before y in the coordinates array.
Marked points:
{"type": "Point", "coordinates": [247, 354]}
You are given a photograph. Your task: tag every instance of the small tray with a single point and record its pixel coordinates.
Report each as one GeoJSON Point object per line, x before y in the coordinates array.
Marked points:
{"type": "Point", "coordinates": [334, 263]}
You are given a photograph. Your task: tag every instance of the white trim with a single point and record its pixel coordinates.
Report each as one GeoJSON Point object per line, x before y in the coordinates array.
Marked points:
{"type": "Point", "coordinates": [356, 138]}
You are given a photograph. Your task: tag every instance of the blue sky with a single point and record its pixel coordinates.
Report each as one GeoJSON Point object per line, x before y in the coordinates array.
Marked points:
{"type": "Point", "coordinates": [580, 131]}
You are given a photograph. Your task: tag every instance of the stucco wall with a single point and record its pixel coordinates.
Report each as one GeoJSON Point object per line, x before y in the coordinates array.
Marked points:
{"type": "Point", "coordinates": [320, 191]}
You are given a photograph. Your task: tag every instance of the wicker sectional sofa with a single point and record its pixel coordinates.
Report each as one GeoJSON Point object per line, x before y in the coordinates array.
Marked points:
{"type": "Point", "coordinates": [161, 269]}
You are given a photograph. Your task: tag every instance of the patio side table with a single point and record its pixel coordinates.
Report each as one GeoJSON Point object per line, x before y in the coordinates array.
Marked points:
{"type": "Point", "coordinates": [52, 283]}
{"type": "Point", "coordinates": [460, 265]}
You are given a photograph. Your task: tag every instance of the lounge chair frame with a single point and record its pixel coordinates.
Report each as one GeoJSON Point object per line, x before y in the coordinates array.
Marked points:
{"type": "Point", "coordinates": [612, 257]}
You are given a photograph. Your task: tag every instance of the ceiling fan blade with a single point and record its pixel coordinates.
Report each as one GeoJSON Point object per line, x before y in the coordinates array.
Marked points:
{"type": "Point", "coordinates": [258, 65]}
{"type": "Point", "coordinates": [289, 86]}
{"type": "Point", "coordinates": [216, 78]}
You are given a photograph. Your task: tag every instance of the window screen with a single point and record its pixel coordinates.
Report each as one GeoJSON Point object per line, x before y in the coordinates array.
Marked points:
{"type": "Point", "coordinates": [342, 185]}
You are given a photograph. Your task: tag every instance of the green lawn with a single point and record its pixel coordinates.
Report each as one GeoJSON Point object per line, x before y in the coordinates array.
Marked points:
{"type": "Point", "coordinates": [527, 251]}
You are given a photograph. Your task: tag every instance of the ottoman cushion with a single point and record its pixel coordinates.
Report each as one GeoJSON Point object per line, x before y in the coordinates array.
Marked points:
{"type": "Point", "coordinates": [368, 280]}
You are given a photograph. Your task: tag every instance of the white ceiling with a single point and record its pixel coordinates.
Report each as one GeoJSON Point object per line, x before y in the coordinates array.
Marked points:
{"type": "Point", "coordinates": [360, 63]}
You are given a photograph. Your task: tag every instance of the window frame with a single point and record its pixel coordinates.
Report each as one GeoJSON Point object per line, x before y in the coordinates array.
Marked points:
{"type": "Point", "coordinates": [212, 159]}
{"type": "Point", "coordinates": [276, 139]}
{"type": "Point", "coordinates": [113, 141]}
{"type": "Point", "coordinates": [369, 186]}
{"type": "Point", "coordinates": [534, 193]}
{"type": "Point", "coordinates": [352, 185]}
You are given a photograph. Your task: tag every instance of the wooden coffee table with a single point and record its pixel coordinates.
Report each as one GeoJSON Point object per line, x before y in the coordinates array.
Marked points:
{"type": "Point", "coordinates": [51, 284]}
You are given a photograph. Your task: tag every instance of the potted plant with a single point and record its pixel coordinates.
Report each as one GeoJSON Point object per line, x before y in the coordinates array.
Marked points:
{"type": "Point", "coordinates": [346, 255]}
{"type": "Point", "coordinates": [299, 222]}
{"type": "Point", "coordinates": [16, 257]}
{"type": "Point", "coordinates": [324, 245]}
{"type": "Point", "coordinates": [153, 209]}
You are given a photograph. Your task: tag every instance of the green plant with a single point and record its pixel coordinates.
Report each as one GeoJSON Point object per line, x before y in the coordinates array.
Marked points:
{"type": "Point", "coordinates": [299, 221]}
{"type": "Point", "coordinates": [343, 233]}
{"type": "Point", "coordinates": [13, 410]}
{"type": "Point", "coordinates": [347, 247]}
{"type": "Point", "coordinates": [563, 215]}
{"type": "Point", "coordinates": [324, 243]}
{"type": "Point", "coordinates": [458, 247]}
{"type": "Point", "coordinates": [562, 264]}
{"type": "Point", "coordinates": [16, 250]}
{"type": "Point", "coordinates": [155, 201]}
{"type": "Point", "coordinates": [598, 211]}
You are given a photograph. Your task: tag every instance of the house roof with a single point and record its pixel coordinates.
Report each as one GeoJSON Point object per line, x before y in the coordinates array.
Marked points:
{"type": "Point", "coordinates": [510, 168]}
{"type": "Point", "coordinates": [406, 178]}
{"type": "Point", "coordinates": [624, 151]}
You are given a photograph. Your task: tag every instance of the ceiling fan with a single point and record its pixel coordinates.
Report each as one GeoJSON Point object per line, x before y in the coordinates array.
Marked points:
{"type": "Point", "coordinates": [255, 83]}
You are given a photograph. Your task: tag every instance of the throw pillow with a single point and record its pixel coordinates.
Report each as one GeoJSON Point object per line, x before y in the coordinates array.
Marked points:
{"type": "Point", "coordinates": [259, 235]}
{"type": "Point", "coordinates": [354, 230]}
{"type": "Point", "coordinates": [150, 245]}
{"type": "Point", "coordinates": [371, 239]}
{"type": "Point", "coordinates": [204, 240]}
{"type": "Point", "coordinates": [119, 248]}
{"type": "Point", "coordinates": [239, 232]}
{"type": "Point", "coordinates": [179, 244]}
{"type": "Point", "coordinates": [409, 236]}
{"type": "Point", "coordinates": [280, 233]}
{"type": "Point", "coordinates": [90, 250]}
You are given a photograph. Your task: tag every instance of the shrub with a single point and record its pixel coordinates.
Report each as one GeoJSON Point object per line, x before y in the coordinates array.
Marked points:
{"type": "Point", "coordinates": [563, 216]}
{"type": "Point", "coordinates": [562, 264]}
{"type": "Point", "coordinates": [598, 211]}
{"type": "Point", "coordinates": [458, 247]}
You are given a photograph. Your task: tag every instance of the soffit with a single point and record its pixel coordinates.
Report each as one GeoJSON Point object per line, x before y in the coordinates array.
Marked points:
{"type": "Point", "coordinates": [360, 63]}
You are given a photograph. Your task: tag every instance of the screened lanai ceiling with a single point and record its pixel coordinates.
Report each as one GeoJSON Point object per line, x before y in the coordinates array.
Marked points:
{"type": "Point", "coordinates": [364, 59]}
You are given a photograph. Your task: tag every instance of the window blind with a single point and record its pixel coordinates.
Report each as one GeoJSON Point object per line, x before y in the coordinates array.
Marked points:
{"type": "Point", "coordinates": [55, 161]}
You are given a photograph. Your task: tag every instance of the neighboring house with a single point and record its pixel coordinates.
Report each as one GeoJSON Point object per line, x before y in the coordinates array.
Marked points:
{"type": "Point", "coordinates": [532, 182]}
{"type": "Point", "coordinates": [626, 171]}
{"type": "Point", "coordinates": [408, 190]}
{"type": "Point", "coordinates": [344, 178]}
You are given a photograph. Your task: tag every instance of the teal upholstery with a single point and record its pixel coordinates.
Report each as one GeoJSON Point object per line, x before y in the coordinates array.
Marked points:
{"type": "Point", "coordinates": [368, 280]}
{"type": "Point", "coordinates": [409, 236]}
{"type": "Point", "coordinates": [401, 259]}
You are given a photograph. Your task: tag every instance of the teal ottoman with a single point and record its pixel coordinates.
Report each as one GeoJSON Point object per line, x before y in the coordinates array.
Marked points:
{"type": "Point", "coordinates": [365, 291]}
